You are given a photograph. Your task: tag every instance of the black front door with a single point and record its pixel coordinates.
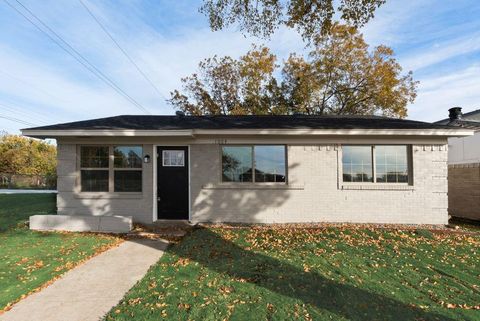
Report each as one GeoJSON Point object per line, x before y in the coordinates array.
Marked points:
{"type": "Point", "coordinates": [172, 182]}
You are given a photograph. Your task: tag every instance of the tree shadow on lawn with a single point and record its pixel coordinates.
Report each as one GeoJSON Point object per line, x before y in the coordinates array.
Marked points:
{"type": "Point", "coordinates": [223, 256]}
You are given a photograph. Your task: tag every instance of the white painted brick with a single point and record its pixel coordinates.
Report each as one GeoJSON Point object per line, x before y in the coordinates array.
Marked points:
{"type": "Point", "coordinates": [321, 200]}
{"type": "Point", "coordinates": [313, 167]}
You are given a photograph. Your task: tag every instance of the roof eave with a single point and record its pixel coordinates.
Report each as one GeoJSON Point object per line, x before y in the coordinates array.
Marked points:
{"type": "Point", "coordinates": [41, 133]}
{"type": "Point", "coordinates": [454, 132]}
{"type": "Point", "coordinates": [38, 133]}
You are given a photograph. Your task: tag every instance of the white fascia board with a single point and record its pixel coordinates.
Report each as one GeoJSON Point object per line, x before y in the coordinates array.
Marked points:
{"type": "Point", "coordinates": [105, 133]}
{"type": "Point", "coordinates": [454, 132]}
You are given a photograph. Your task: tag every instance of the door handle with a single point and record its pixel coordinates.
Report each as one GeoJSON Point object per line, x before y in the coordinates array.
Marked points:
{"type": "Point", "coordinates": [158, 199]}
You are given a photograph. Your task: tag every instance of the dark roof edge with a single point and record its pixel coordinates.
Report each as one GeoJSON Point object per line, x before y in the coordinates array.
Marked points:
{"type": "Point", "coordinates": [222, 122]}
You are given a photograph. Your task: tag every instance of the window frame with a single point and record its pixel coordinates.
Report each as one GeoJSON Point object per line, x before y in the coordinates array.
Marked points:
{"type": "Point", "coordinates": [374, 166]}
{"type": "Point", "coordinates": [253, 182]}
{"type": "Point", "coordinates": [111, 169]}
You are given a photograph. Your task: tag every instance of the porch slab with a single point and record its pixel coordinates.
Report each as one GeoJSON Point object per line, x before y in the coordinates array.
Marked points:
{"type": "Point", "coordinates": [172, 224]}
{"type": "Point", "coordinates": [81, 223]}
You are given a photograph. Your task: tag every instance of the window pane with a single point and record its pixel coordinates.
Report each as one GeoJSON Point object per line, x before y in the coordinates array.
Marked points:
{"type": "Point", "coordinates": [391, 163]}
{"type": "Point", "coordinates": [237, 164]}
{"type": "Point", "coordinates": [381, 173]}
{"type": "Point", "coordinates": [173, 158]}
{"type": "Point", "coordinates": [403, 177]}
{"type": "Point", "coordinates": [94, 156]}
{"type": "Point", "coordinates": [127, 156]}
{"type": "Point", "coordinates": [347, 173]}
{"type": "Point", "coordinates": [357, 164]}
{"type": "Point", "coordinates": [94, 181]}
{"type": "Point", "coordinates": [270, 164]}
{"type": "Point", "coordinates": [128, 181]}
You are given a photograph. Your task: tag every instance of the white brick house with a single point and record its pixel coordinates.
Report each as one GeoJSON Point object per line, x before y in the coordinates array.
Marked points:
{"type": "Point", "coordinates": [255, 169]}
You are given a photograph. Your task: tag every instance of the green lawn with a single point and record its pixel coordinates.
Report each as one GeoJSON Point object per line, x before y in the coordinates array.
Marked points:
{"type": "Point", "coordinates": [315, 274]}
{"type": "Point", "coordinates": [29, 260]}
{"type": "Point", "coordinates": [16, 208]}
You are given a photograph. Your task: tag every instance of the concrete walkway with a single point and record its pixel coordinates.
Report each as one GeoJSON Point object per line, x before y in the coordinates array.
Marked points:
{"type": "Point", "coordinates": [90, 290]}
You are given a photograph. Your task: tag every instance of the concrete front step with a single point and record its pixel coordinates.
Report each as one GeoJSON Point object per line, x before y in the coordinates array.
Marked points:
{"type": "Point", "coordinates": [172, 230]}
{"type": "Point", "coordinates": [171, 223]}
{"type": "Point", "coordinates": [81, 223]}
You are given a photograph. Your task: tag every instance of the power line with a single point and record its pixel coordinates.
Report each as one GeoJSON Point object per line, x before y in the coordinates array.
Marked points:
{"type": "Point", "coordinates": [23, 122]}
{"type": "Point", "coordinates": [24, 114]}
{"type": "Point", "coordinates": [121, 49]}
{"type": "Point", "coordinates": [29, 84]}
{"type": "Point", "coordinates": [21, 114]}
{"type": "Point", "coordinates": [79, 57]}
{"type": "Point", "coordinates": [45, 116]}
{"type": "Point", "coordinates": [97, 72]}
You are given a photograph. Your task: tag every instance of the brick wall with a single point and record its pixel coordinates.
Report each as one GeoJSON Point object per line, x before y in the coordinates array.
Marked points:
{"type": "Point", "coordinates": [464, 190]}
{"type": "Point", "coordinates": [316, 194]}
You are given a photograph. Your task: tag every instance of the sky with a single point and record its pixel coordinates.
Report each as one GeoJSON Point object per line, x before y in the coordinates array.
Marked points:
{"type": "Point", "coordinates": [41, 84]}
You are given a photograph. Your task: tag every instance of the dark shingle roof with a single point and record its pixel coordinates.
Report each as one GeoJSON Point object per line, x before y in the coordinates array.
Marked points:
{"type": "Point", "coordinates": [137, 122]}
{"type": "Point", "coordinates": [475, 125]}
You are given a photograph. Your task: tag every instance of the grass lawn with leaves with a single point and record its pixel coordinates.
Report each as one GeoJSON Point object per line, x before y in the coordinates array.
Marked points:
{"type": "Point", "coordinates": [30, 260]}
{"type": "Point", "coordinates": [351, 273]}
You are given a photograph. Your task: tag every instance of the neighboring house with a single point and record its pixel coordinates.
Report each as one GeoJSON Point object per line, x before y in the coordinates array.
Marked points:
{"type": "Point", "coordinates": [464, 165]}
{"type": "Point", "coordinates": [254, 169]}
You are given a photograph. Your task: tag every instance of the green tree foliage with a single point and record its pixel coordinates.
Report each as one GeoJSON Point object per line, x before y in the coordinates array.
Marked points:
{"type": "Point", "coordinates": [339, 76]}
{"type": "Point", "coordinates": [309, 17]}
{"type": "Point", "coordinates": [21, 155]}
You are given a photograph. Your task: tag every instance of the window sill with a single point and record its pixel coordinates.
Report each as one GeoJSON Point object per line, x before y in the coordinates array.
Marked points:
{"type": "Point", "coordinates": [257, 186]}
{"type": "Point", "coordinates": [388, 187]}
{"type": "Point", "coordinates": [105, 195]}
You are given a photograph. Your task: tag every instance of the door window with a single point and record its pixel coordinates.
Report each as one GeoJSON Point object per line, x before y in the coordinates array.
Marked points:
{"type": "Point", "coordinates": [173, 158]}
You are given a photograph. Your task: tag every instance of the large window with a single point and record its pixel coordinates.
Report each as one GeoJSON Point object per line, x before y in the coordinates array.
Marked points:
{"type": "Point", "coordinates": [379, 163]}
{"type": "Point", "coordinates": [258, 164]}
{"type": "Point", "coordinates": [111, 168]}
